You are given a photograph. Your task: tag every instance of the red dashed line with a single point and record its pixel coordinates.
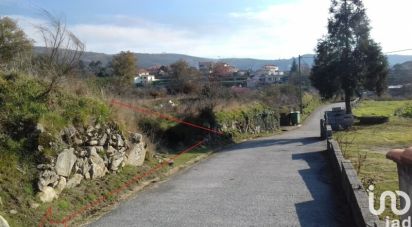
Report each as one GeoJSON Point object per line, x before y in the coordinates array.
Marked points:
{"type": "Point", "coordinates": [47, 217]}
{"type": "Point", "coordinates": [164, 116]}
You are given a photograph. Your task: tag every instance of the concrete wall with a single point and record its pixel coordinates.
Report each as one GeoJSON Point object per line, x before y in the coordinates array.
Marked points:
{"type": "Point", "coordinates": [355, 194]}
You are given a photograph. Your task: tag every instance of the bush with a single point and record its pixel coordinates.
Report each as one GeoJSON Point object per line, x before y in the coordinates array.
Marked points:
{"type": "Point", "coordinates": [404, 112]}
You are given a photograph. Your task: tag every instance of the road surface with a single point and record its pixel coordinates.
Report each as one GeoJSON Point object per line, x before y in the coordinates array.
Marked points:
{"type": "Point", "coordinates": [282, 180]}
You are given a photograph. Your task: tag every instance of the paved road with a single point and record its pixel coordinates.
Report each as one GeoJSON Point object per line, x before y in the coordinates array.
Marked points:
{"type": "Point", "coordinates": [282, 180]}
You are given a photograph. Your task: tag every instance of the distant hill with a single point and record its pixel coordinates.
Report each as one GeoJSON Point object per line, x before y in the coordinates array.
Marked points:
{"type": "Point", "coordinates": [147, 60]}
{"type": "Point", "coordinates": [400, 74]}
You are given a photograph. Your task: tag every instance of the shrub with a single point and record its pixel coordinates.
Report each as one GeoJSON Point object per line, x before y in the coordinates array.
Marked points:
{"type": "Point", "coordinates": [404, 112]}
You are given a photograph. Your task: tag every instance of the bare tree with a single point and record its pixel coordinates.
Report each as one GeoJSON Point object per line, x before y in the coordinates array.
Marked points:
{"type": "Point", "coordinates": [62, 51]}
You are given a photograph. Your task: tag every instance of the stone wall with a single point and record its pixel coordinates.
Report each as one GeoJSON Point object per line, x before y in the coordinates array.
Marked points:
{"type": "Point", "coordinates": [88, 153]}
{"type": "Point", "coordinates": [253, 120]}
{"type": "Point", "coordinates": [354, 192]}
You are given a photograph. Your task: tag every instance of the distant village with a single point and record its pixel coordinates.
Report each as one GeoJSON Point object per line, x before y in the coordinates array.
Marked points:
{"type": "Point", "coordinates": [221, 72]}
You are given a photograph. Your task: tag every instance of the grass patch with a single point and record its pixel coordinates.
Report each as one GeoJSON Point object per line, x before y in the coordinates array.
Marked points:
{"type": "Point", "coordinates": [186, 157]}
{"type": "Point", "coordinates": [379, 108]}
{"type": "Point", "coordinates": [373, 142]}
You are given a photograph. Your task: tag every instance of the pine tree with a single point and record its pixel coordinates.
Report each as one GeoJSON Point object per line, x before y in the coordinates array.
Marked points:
{"type": "Point", "coordinates": [347, 59]}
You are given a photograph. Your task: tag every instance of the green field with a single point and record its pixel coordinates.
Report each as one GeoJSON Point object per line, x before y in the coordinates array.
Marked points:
{"type": "Point", "coordinates": [366, 146]}
{"type": "Point", "coordinates": [379, 108]}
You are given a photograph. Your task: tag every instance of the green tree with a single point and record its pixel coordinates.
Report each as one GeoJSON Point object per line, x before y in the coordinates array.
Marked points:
{"type": "Point", "coordinates": [14, 44]}
{"type": "Point", "coordinates": [124, 66]}
{"type": "Point", "coordinates": [347, 59]}
{"type": "Point", "coordinates": [181, 70]}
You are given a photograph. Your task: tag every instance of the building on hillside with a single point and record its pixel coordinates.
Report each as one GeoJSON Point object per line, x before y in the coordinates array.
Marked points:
{"type": "Point", "coordinates": [271, 70]}
{"type": "Point", "coordinates": [154, 69]}
{"type": "Point", "coordinates": [268, 74]}
{"type": "Point", "coordinates": [222, 69]}
{"type": "Point", "coordinates": [143, 78]}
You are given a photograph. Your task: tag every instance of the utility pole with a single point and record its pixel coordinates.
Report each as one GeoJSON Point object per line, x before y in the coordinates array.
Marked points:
{"type": "Point", "coordinates": [300, 87]}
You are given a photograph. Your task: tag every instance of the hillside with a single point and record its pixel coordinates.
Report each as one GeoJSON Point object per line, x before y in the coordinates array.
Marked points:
{"type": "Point", "coordinates": [146, 60]}
{"type": "Point", "coordinates": [401, 74]}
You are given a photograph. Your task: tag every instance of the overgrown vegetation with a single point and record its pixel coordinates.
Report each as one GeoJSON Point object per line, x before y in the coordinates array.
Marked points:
{"type": "Point", "coordinates": [367, 145]}
{"type": "Point", "coordinates": [21, 113]}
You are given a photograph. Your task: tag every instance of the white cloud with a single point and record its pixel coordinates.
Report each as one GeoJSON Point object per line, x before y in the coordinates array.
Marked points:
{"type": "Point", "coordinates": [284, 30]}
{"type": "Point", "coordinates": [390, 21]}
{"type": "Point", "coordinates": [277, 31]}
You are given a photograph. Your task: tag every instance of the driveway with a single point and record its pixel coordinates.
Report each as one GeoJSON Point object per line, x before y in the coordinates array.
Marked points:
{"type": "Point", "coordinates": [282, 180]}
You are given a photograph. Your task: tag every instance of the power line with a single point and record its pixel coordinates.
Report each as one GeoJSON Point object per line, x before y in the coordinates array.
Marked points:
{"type": "Point", "coordinates": [397, 51]}
{"type": "Point", "coordinates": [389, 52]}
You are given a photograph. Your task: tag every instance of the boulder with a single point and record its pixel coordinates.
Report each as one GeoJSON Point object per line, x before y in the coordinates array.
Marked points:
{"type": "Point", "coordinates": [120, 142]}
{"type": "Point", "coordinates": [47, 178]}
{"type": "Point", "coordinates": [47, 195]}
{"type": "Point", "coordinates": [61, 185]}
{"type": "Point", "coordinates": [93, 142]}
{"type": "Point", "coordinates": [110, 151]}
{"type": "Point", "coordinates": [90, 129]}
{"type": "Point", "coordinates": [65, 162]}
{"type": "Point", "coordinates": [13, 212]}
{"type": "Point", "coordinates": [78, 141]}
{"type": "Point", "coordinates": [116, 161]}
{"type": "Point", "coordinates": [122, 150]}
{"type": "Point", "coordinates": [92, 151]}
{"type": "Point", "coordinates": [87, 175]}
{"type": "Point", "coordinates": [82, 153]}
{"type": "Point", "coordinates": [136, 155]}
{"type": "Point", "coordinates": [98, 168]}
{"type": "Point", "coordinates": [45, 167]}
{"type": "Point", "coordinates": [100, 149]}
{"type": "Point", "coordinates": [103, 140]}
{"type": "Point", "coordinates": [3, 222]}
{"type": "Point", "coordinates": [74, 181]}
{"type": "Point", "coordinates": [83, 167]}
{"type": "Point", "coordinates": [69, 133]}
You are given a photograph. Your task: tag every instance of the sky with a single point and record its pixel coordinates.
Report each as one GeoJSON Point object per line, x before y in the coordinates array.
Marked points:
{"type": "Point", "coordinates": [263, 29]}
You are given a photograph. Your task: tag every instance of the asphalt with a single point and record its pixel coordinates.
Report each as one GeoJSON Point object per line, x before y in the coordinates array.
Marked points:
{"type": "Point", "coordinates": [282, 180]}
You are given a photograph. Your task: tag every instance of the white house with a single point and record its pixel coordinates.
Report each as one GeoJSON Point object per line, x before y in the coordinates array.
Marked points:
{"type": "Point", "coordinates": [268, 74]}
{"type": "Point", "coordinates": [271, 70]}
{"type": "Point", "coordinates": [143, 78]}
